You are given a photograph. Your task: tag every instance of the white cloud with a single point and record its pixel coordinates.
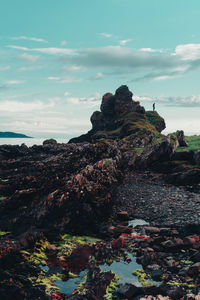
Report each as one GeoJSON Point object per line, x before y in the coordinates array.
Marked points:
{"type": "Point", "coordinates": [93, 100]}
{"type": "Point", "coordinates": [164, 77]}
{"type": "Point", "coordinates": [124, 42]}
{"type": "Point", "coordinates": [19, 106]}
{"type": "Point", "coordinates": [188, 51]}
{"type": "Point", "coordinates": [24, 69]}
{"type": "Point", "coordinates": [73, 100]}
{"type": "Point", "coordinates": [49, 50]}
{"type": "Point", "coordinates": [14, 82]}
{"type": "Point", "coordinates": [99, 75]}
{"type": "Point", "coordinates": [29, 57]}
{"type": "Point", "coordinates": [107, 35]}
{"type": "Point", "coordinates": [151, 50]}
{"type": "Point", "coordinates": [66, 94]}
{"type": "Point", "coordinates": [29, 39]}
{"type": "Point", "coordinates": [62, 79]}
{"type": "Point", "coordinates": [55, 51]}
{"type": "Point", "coordinates": [18, 48]}
{"type": "Point", "coordinates": [4, 68]}
{"type": "Point", "coordinates": [63, 43]}
{"type": "Point", "coordinates": [187, 101]}
{"type": "Point", "coordinates": [72, 68]}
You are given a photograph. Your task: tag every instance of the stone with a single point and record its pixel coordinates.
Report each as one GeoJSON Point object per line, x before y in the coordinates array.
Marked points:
{"type": "Point", "coordinates": [50, 142]}
{"type": "Point", "coordinates": [176, 293]}
{"type": "Point", "coordinates": [129, 291]}
{"type": "Point", "coordinates": [156, 274]}
{"type": "Point", "coordinates": [119, 229]}
{"type": "Point", "coordinates": [123, 215]}
{"type": "Point", "coordinates": [194, 269]}
{"type": "Point", "coordinates": [196, 157]}
{"type": "Point", "coordinates": [150, 229]}
{"type": "Point", "coordinates": [118, 243]}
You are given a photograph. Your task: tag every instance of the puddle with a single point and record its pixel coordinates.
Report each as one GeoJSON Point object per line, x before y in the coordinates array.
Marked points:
{"type": "Point", "coordinates": [121, 268]}
{"type": "Point", "coordinates": [124, 270]}
{"type": "Point", "coordinates": [70, 285]}
{"type": "Point", "coordinates": [137, 222]}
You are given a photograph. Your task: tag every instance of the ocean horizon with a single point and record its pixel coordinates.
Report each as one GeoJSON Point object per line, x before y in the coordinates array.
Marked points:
{"type": "Point", "coordinates": [29, 141]}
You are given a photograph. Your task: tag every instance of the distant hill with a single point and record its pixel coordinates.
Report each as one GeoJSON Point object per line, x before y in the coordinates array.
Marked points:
{"type": "Point", "coordinates": [8, 134]}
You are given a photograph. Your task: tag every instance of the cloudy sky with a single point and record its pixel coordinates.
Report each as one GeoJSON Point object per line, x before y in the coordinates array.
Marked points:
{"type": "Point", "coordinates": [59, 57]}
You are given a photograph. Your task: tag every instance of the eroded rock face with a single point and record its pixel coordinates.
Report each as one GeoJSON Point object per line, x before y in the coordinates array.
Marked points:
{"type": "Point", "coordinates": [113, 115]}
{"type": "Point", "coordinates": [64, 186]}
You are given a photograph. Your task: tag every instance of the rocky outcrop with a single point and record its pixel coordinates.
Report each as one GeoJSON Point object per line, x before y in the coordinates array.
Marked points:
{"type": "Point", "coordinates": [62, 186]}
{"type": "Point", "coordinates": [120, 117]}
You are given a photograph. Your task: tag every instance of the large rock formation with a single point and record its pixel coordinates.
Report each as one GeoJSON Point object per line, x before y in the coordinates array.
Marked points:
{"type": "Point", "coordinates": [119, 117]}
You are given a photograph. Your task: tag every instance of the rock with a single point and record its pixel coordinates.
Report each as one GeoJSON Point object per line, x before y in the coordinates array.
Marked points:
{"type": "Point", "coordinates": [196, 256]}
{"type": "Point", "coordinates": [120, 117]}
{"type": "Point", "coordinates": [118, 243]}
{"type": "Point", "coordinates": [194, 269]}
{"type": "Point", "coordinates": [191, 240]}
{"type": "Point", "coordinates": [196, 157]}
{"type": "Point", "coordinates": [156, 120]}
{"type": "Point", "coordinates": [168, 244]}
{"type": "Point", "coordinates": [129, 291]}
{"type": "Point", "coordinates": [176, 293]}
{"type": "Point", "coordinates": [119, 229]}
{"type": "Point", "coordinates": [50, 142]}
{"type": "Point", "coordinates": [156, 274]}
{"type": "Point", "coordinates": [150, 229]}
{"type": "Point", "coordinates": [181, 138]}
{"type": "Point", "coordinates": [123, 215]}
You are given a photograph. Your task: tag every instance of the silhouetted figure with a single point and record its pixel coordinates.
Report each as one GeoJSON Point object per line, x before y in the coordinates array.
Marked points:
{"type": "Point", "coordinates": [154, 105]}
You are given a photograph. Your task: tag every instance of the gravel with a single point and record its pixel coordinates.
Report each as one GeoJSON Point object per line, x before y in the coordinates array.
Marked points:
{"type": "Point", "coordinates": [145, 195]}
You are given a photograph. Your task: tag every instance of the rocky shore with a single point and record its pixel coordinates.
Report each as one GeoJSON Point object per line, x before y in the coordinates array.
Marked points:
{"type": "Point", "coordinates": [68, 209]}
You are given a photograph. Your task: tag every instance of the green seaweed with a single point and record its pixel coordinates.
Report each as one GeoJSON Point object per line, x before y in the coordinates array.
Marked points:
{"type": "Point", "coordinates": [79, 240]}
{"type": "Point", "coordinates": [142, 277]}
{"type": "Point", "coordinates": [111, 288]}
{"type": "Point", "coordinates": [2, 233]}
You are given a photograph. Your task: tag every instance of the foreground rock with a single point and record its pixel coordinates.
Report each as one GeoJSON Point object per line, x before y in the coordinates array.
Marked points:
{"type": "Point", "coordinates": [55, 189]}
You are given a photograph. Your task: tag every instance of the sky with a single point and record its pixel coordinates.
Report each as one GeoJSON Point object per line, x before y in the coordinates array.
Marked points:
{"type": "Point", "coordinates": [58, 58]}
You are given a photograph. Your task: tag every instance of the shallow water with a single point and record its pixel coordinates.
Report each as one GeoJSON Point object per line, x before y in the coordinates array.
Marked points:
{"type": "Point", "coordinates": [67, 287]}
{"type": "Point", "coordinates": [121, 268]}
{"type": "Point", "coordinates": [124, 270]}
{"type": "Point", "coordinates": [137, 222]}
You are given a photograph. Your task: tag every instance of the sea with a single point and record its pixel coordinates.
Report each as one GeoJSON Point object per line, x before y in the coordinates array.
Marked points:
{"type": "Point", "coordinates": [28, 141]}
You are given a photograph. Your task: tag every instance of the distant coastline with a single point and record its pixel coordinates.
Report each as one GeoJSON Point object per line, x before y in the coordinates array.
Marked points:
{"type": "Point", "coordinates": [9, 134]}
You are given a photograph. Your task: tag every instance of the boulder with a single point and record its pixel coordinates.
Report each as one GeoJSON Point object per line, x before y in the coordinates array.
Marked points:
{"type": "Point", "coordinates": [50, 142]}
{"type": "Point", "coordinates": [196, 157]}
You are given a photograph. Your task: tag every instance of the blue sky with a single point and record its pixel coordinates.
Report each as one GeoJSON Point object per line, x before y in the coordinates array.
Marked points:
{"type": "Point", "coordinates": [59, 57]}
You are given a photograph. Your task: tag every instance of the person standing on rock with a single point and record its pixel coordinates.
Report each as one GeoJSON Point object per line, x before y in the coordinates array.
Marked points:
{"type": "Point", "coordinates": [154, 105]}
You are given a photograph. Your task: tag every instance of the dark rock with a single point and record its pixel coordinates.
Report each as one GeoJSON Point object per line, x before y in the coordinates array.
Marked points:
{"type": "Point", "coordinates": [196, 157]}
{"type": "Point", "coordinates": [150, 229]}
{"type": "Point", "coordinates": [194, 269]}
{"type": "Point", "coordinates": [156, 274]}
{"type": "Point", "coordinates": [120, 117]}
{"type": "Point", "coordinates": [129, 291]}
{"type": "Point", "coordinates": [176, 293]}
{"type": "Point", "coordinates": [181, 138]}
{"type": "Point", "coordinates": [123, 215]}
{"type": "Point", "coordinates": [196, 256]}
{"type": "Point", "coordinates": [50, 142]}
